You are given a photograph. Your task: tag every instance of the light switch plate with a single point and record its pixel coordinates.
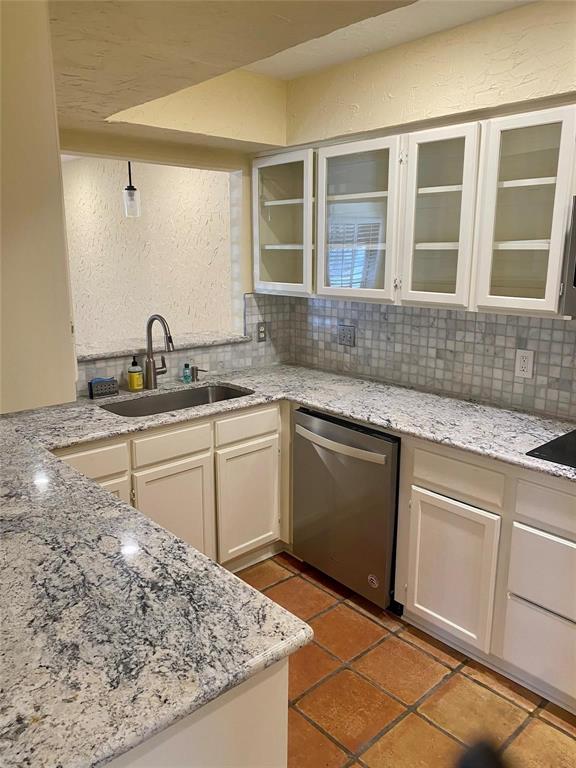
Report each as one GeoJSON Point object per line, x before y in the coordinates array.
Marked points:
{"type": "Point", "coordinates": [524, 368]}
{"type": "Point", "coordinates": [347, 335]}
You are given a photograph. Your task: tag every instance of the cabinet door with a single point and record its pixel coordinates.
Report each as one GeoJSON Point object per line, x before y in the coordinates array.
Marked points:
{"type": "Point", "coordinates": [452, 565]}
{"type": "Point", "coordinates": [282, 200]}
{"type": "Point", "coordinates": [248, 496]}
{"type": "Point", "coordinates": [357, 199]}
{"type": "Point", "coordinates": [179, 496]}
{"type": "Point", "coordinates": [439, 225]}
{"type": "Point", "coordinates": [119, 486]}
{"type": "Point", "coordinates": [523, 215]}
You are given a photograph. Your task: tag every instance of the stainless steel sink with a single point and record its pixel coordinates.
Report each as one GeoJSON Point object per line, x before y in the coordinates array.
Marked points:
{"type": "Point", "coordinates": [175, 401]}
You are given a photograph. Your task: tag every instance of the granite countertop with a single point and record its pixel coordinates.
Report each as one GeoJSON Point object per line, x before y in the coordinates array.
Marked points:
{"type": "Point", "coordinates": [481, 429]}
{"type": "Point", "coordinates": [113, 628]}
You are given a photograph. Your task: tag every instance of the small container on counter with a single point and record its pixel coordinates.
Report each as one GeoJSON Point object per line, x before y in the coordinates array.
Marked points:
{"type": "Point", "coordinates": [135, 376]}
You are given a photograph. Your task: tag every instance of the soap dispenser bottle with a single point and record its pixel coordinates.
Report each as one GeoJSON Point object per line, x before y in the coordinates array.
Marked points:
{"type": "Point", "coordinates": [187, 374]}
{"type": "Point", "coordinates": [135, 376]}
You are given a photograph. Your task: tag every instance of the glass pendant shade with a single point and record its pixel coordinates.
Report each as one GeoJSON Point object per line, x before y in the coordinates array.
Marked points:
{"type": "Point", "coordinates": [131, 202]}
{"type": "Point", "coordinates": [131, 197]}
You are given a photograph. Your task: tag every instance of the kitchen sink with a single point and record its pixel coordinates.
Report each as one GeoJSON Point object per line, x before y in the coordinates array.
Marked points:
{"type": "Point", "coordinates": [174, 401]}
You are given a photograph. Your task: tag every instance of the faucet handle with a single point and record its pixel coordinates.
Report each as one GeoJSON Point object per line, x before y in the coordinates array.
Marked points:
{"type": "Point", "coordinates": [162, 368]}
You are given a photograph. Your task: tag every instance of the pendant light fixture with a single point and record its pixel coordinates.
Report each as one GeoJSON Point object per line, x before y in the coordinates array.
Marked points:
{"type": "Point", "coordinates": [131, 197]}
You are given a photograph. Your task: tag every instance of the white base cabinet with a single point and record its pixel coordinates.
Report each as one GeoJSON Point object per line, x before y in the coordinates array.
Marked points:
{"type": "Point", "coordinates": [453, 555]}
{"type": "Point", "coordinates": [486, 562]}
{"type": "Point", "coordinates": [179, 496]}
{"type": "Point", "coordinates": [541, 643]}
{"type": "Point", "coordinates": [248, 496]}
{"type": "Point", "coordinates": [119, 486]}
{"type": "Point", "coordinates": [169, 475]}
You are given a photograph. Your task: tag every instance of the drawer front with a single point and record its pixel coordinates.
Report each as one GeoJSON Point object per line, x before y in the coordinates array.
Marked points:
{"type": "Point", "coordinates": [100, 462]}
{"type": "Point", "coordinates": [171, 445]}
{"type": "Point", "coordinates": [547, 506]}
{"type": "Point", "coordinates": [543, 570]}
{"type": "Point", "coordinates": [246, 426]}
{"type": "Point", "coordinates": [459, 479]}
{"type": "Point", "coordinates": [542, 644]}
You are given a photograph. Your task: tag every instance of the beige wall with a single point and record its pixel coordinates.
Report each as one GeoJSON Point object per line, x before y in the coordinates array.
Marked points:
{"type": "Point", "coordinates": [37, 354]}
{"type": "Point", "coordinates": [174, 259]}
{"type": "Point", "coordinates": [524, 54]}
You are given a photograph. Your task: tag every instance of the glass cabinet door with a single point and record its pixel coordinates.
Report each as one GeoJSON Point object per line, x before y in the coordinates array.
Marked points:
{"type": "Point", "coordinates": [282, 223]}
{"type": "Point", "coordinates": [527, 191]}
{"type": "Point", "coordinates": [357, 186]}
{"type": "Point", "coordinates": [439, 215]}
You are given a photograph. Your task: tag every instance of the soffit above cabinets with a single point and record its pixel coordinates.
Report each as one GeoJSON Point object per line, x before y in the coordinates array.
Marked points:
{"type": "Point", "coordinates": [109, 55]}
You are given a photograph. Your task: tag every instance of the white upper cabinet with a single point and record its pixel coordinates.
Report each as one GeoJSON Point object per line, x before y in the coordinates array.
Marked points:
{"type": "Point", "coordinates": [523, 210]}
{"type": "Point", "coordinates": [357, 203]}
{"type": "Point", "coordinates": [436, 254]}
{"type": "Point", "coordinates": [282, 200]}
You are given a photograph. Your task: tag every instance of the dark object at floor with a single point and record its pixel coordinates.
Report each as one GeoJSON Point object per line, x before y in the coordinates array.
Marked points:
{"type": "Point", "coordinates": [482, 755]}
{"type": "Point", "coordinates": [561, 450]}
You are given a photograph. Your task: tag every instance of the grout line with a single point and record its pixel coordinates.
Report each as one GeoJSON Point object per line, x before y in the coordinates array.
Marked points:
{"type": "Point", "coordinates": [351, 755]}
{"type": "Point", "coordinates": [408, 708]}
{"type": "Point", "coordinates": [515, 733]}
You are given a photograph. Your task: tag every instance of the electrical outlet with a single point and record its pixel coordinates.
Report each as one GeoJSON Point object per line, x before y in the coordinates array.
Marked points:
{"type": "Point", "coordinates": [524, 368]}
{"type": "Point", "coordinates": [347, 335]}
{"type": "Point", "coordinates": [261, 332]}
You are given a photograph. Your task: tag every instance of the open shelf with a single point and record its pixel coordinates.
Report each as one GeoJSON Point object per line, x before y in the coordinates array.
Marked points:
{"type": "Point", "coordinates": [440, 190]}
{"type": "Point", "coordinates": [436, 246]}
{"type": "Point", "coordinates": [356, 196]}
{"type": "Point", "coordinates": [289, 201]}
{"type": "Point", "coordinates": [522, 245]}
{"type": "Point", "coordinates": [537, 182]}
{"type": "Point", "coordinates": [284, 247]}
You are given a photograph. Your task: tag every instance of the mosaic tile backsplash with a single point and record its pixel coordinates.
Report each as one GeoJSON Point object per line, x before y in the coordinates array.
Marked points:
{"type": "Point", "coordinates": [462, 354]}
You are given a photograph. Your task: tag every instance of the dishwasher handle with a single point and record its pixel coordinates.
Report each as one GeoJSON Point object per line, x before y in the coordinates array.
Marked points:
{"type": "Point", "coordinates": [345, 450]}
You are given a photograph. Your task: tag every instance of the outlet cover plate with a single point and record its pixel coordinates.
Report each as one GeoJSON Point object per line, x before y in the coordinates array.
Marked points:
{"type": "Point", "coordinates": [524, 368]}
{"type": "Point", "coordinates": [261, 332]}
{"type": "Point", "coordinates": [347, 335]}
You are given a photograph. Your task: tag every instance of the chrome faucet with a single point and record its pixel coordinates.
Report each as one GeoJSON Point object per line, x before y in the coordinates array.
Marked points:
{"type": "Point", "coordinates": [152, 371]}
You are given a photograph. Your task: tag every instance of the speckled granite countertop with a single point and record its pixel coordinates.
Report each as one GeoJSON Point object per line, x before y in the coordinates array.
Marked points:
{"type": "Point", "coordinates": [112, 627]}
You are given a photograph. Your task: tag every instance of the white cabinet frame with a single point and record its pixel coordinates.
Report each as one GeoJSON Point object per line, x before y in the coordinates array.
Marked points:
{"type": "Point", "coordinates": [391, 143]}
{"type": "Point", "coordinates": [487, 200]}
{"type": "Point", "coordinates": [306, 156]}
{"type": "Point", "coordinates": [460, 297]}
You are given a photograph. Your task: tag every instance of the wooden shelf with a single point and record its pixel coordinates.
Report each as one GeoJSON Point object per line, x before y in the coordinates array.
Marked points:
{"type": "Point", "coordinates": [522, 245]}
{"type": "Point", "coordinates": [284, 247]}
{"type": "Point", "coordinates": [538, 182]}
{"type": "Point", "coordinates": [291, 201]}
{"type": "Point", "coordinates": [367, 246]}
{"type": "Point", "coordinates": [436, 246]}
{"type": "Point", "coordinates": [439, 190]}
{"type": "Point", "coordinates": [356, 196]}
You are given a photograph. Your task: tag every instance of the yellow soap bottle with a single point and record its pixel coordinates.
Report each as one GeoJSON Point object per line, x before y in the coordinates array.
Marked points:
{"type": "Point", "coordinates": [135, 376]}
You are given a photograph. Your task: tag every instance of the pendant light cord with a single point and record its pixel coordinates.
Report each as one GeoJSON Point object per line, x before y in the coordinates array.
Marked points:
{"type": "Point", "coordinates": [129, 174]}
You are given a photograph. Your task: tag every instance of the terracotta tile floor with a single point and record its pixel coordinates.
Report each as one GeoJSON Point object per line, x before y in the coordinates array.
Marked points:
{"type": "Point", "coordinates": [373, 692]}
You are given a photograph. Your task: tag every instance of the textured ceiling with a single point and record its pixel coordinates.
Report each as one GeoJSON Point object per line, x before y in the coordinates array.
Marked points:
{"type": "Point", "coordinates": [371, 35]}
{"type": "Point", "coordinates": [113, 54]}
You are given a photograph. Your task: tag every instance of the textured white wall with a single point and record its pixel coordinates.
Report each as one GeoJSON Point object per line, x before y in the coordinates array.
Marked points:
{"type": "Point", "coordinates": [174, 259]}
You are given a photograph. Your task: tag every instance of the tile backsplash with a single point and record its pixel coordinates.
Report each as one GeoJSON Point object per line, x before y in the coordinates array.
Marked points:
{"type": "Point", "coordinates": [452, 352]}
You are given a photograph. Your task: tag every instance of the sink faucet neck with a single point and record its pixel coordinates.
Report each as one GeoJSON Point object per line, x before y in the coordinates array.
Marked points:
{"type": "Point", "coordinates": [152, 370]}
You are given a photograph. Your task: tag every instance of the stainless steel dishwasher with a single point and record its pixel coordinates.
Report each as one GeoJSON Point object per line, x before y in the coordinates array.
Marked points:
{"type": "Point", "coordinates": [345, 480]}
